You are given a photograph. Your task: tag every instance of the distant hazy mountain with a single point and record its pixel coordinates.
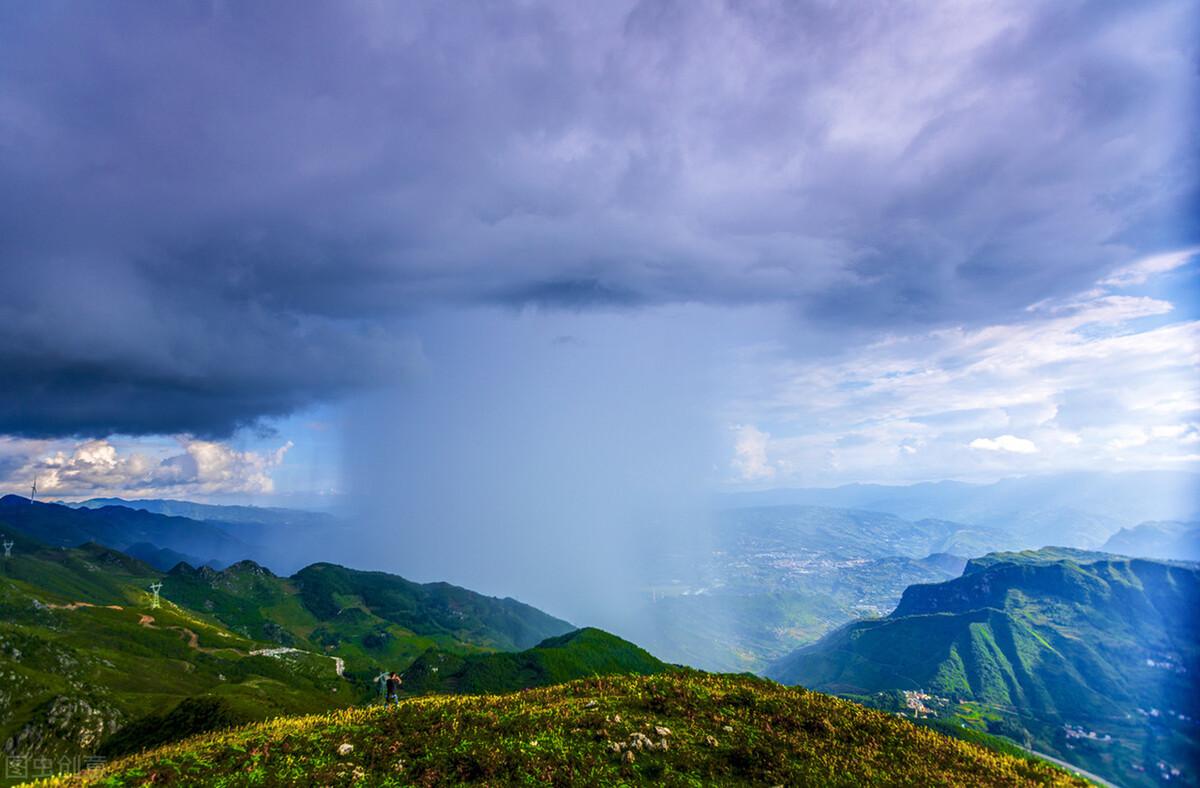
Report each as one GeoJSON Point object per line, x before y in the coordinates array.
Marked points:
{"type": "Point", "coordinates": [1171, 540]}
{"type": "Point", "coordinates": [162, 558]}
{"type": "Point", "coordinates": [119, 527]}
{"type": "Point", "coordinates": [226, 514]}
{"type": "Point", "coordinates": [1075, 509]}
{"type": "Point", "coordinates": [852, 533]}
{"type": "Point", "coordinates": [281, 538]}
{"type": "Point", "coordinates": [1089, 656]}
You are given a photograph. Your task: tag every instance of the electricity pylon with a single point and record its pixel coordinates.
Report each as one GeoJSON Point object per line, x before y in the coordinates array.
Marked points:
{"type": "Point", "coordinates": [155, 587]}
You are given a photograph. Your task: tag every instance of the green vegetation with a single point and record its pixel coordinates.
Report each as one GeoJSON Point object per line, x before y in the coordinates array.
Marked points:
{"type": "Point", "coordinates": [584, 652]}
{"type": "Point", "coordinates": [83, 656]}
{"type": "Point", "coordinates": [678, 728]}
{"type": "Point", "coordinates": [438, 611]}
{"type": "Point", "coordinates": [1086, 656]}
{"type": "Point", "coordinates": [89, 667]}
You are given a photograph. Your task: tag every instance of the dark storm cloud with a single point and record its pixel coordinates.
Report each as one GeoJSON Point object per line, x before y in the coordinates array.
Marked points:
{"type": "Point", "coordinates": [212, 212]}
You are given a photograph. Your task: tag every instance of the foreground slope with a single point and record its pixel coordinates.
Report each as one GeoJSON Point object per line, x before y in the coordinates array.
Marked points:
{"type": "Point", "coordinates": [674, 729]}
{"type": "Point", "coordinates": [1088, 656]}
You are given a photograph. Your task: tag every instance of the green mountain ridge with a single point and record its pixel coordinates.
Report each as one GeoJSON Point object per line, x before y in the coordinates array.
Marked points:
{"type": "Point", "coordinates": [584, 652]}
{"type": "Point", "coordinates": [1046, 647]}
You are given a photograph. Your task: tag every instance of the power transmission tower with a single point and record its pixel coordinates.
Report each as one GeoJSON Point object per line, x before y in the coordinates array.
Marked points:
{"type": "Point", "coordinates": [8, 546]}
{"type": "Point", "coordinates": [155, 587]}
{"type": "Point", "coordinates": [33, 490]}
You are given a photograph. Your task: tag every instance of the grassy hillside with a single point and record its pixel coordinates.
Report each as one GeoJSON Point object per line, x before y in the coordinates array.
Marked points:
{"type": "Point", "coordinates": [433, 609]}
{"type": "Point", "coordinates": [84, 657]}
{"type": "Point", "coordinates": [584, 652]}
{"type": "Point", "coordinates": [1087, 656]}
{"type": "Point", "coordinates": [680, 728]}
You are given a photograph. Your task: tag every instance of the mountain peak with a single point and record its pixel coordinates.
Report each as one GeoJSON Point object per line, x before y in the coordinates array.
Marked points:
{"type": "Point", "coordinates": [246, 566]}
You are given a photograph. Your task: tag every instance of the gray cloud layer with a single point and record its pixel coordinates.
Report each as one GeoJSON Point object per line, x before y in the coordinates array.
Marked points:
{"type": "Point", "coordinates": [211, 213]}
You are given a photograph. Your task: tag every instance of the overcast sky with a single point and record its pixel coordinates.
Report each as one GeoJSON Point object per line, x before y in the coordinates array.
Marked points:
{"type": "Point", "coordinates": [273, 251]}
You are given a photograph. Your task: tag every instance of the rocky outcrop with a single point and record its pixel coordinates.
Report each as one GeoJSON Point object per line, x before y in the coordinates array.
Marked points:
{"type": "Point", "coordinates": [65, 723]}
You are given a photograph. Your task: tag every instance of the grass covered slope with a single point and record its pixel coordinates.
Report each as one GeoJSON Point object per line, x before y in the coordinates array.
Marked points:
{"type": "Point", "coordinates": [1087, 656]}
{"type": "Point", "coordinates": [584, 652]}
{"type": "Point", "coordinates": [83, 656]}
{"type": "Point", "coordinates": [436, 610]}
{"type": "Point", "coordinates": [679, 728]}
{"type": "Point", "coordinates": [88, 666]}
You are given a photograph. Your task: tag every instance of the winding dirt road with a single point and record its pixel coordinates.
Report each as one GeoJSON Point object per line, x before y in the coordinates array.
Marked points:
{"type": "Point", "coordinates": [193, 640]}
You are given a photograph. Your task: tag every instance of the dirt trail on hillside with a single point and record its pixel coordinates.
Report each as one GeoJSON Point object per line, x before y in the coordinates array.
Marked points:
{"type": "Point", "coordinates": [193, 640]}
{"type": "Point", "coordinates": [77, 605]}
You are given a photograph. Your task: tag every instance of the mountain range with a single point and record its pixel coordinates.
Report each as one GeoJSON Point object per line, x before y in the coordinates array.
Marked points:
{"type": "Point", "coordinates": [223, 513]}
{"type": "Point", "coordinates": [86, 654]}
{"type": "Point", "coordinates": [283, 539]}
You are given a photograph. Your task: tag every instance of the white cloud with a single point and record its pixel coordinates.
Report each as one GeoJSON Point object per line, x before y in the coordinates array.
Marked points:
{"type": "Point", "coordinates": [1168, 430]}
{"type": "Point", "coordinates": [1009, 443]}
{"type": "Point", "coordinates": [750, 459]}
{"type": "Point", "coordinates": [1087, 382]}
{"type": "Point", "coordinates": [97, 468]}
{"type": "Point", "coordinates": [1139, 272]}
